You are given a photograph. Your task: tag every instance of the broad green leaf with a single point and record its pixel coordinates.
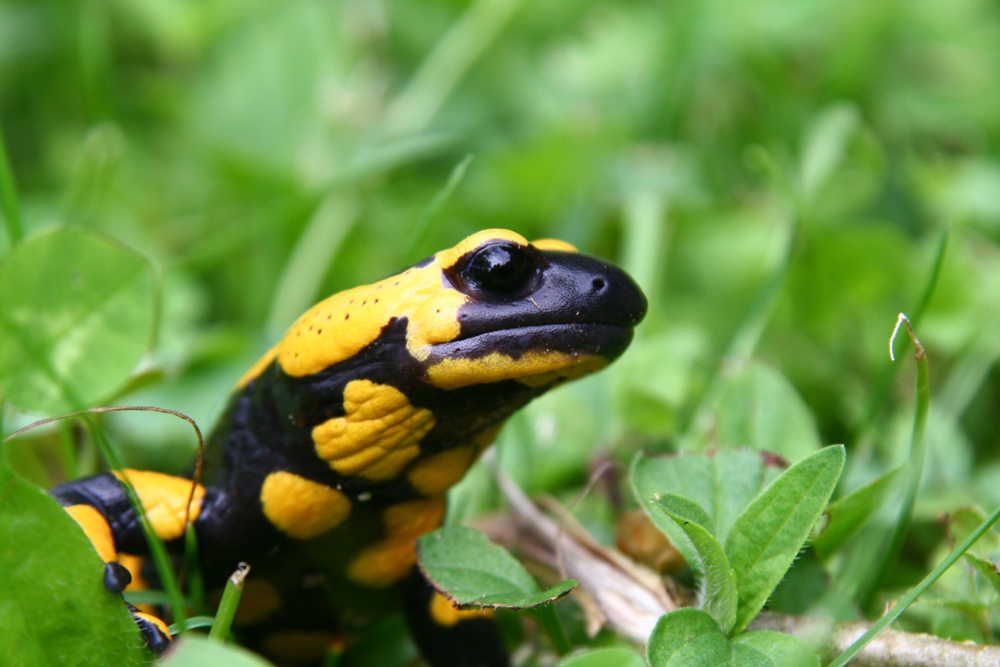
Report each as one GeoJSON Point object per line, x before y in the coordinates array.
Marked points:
{"type": "Point", "coordinates": [987, 569]}
{"type": "Point", "coordinates": [760, 409]}
{"type": "Point", "coordinates": [723, 483]}
{"type": "Point", "coordinates": [778, 649]}
{"type": "Point", "coordinates": [605, 657]}
{"type": "Point", "coordinates": [718, 583]}
{"type": "Point", "coordinates": [54, 609]}
{"type": "Point", "coordinates": [687, 638]}
{"type": "Point", "coordinates": [768, 535]}
{"type": "Point", "coordinates": [77, 311]}
{"type": "Point", "coordinates": [463, 563]}
{"type": "Point", "coordinates": [849, 513]}
{"type": "Point", "coordinates": [195, 650]}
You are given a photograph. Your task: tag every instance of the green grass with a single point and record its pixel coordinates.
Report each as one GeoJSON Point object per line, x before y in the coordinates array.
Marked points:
{"type": "Point", "coordinates": [778, 174]}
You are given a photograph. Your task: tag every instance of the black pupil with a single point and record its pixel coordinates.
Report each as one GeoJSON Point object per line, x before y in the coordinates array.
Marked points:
{"type": "Point", "coordinates": [501, 269]}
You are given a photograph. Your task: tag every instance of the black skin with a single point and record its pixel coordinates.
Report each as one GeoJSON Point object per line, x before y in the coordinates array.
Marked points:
{"type": "Point", "coordinates": [523, 300]}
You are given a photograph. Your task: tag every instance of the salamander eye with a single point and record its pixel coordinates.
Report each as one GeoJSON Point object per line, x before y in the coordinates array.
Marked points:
{"type": "Point", "coordinates": [501, 268]}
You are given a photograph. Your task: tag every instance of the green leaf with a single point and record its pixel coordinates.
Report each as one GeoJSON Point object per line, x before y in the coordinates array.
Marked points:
{"type": "Point", "coordinates": [687, 510]}
{"type": "Point", "coordinates": [54, 609]}
{"type": "Point", "coordinates": [77, 311]}
{"type": "Point", "coordinates": [194, 650]}
{"type": "Point", "coordinates": [465, 565]}
{"type": "Point", "coordinates": [778, 649]}
{"type": "Point", "coordinates": [849, 513]}
{"type": "Point", "coordinates": [723, 483]}
{"type": "Point", "coordinates": [718, 583]}
{"type": "Point", "coordinates": [987, 569]}
{"type": "Point", "coordinates": [605, 657]}
{"type": "Point", "coordinates": [759, 408]}
{"type": "Point", "coordinates": [687, 638]}
{"type": "Point", "coordinates": [767, 536]}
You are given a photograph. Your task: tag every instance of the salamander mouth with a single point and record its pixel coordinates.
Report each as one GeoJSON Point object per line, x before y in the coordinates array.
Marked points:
{"type": "Point", "coordinates": [574, 339]}
{"type": "Point", "coordinates": [536, 355]}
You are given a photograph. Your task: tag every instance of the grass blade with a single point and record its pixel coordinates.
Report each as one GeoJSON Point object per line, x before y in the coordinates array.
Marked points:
{"type": "Point", "coordinates": [918, 447]}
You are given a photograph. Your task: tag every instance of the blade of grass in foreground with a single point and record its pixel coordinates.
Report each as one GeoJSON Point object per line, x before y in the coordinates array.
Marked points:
{"type": "Point", "coordinates": [230, 601]}
{"type": "Point", "coordinates": [916, 458]}
{"type": "Point", "coordinates": [919, 590]}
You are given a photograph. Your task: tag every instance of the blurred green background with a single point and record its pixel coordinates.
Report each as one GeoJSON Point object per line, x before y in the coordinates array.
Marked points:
{"type": "Point", "coordinates": [781, 176]}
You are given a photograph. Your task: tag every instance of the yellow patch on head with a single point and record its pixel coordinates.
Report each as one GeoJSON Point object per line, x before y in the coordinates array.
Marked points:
{"type": "Point", "coordinates": [389, 560]}
{"type": "Point", "coordinates": [339, 327]}
{"type": "Point", "coordinates": [165, 499]}
{"type": "Point", "coordinates": [96, 528]}
{"type": "Point", "coordinates": [300, 507]}
{"type": "Point", "coordinates": [554, 244]}
{"type": "Point", "coordinates": [445, 613]}
{"type": "Point", "coordinates": [448, 258]}
{"type": "Point", "coordinates": [532, 369]}
{"type": "Point", "coordinates": [377, 437]}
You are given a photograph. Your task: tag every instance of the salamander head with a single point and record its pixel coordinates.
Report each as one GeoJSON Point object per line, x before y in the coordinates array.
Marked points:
{"type": "Point", "coordinates": [492, 308]}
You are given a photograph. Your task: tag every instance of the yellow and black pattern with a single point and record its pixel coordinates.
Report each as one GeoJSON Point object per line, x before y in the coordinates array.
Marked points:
{"type": "Point", "coordinates": [337, 448]}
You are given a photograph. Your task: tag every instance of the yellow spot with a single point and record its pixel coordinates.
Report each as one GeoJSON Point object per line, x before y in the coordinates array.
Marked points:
{"type": "Point", "coordinates": [437, 473]}
{"type": "Point", "coordinates": [554, 244]}
{"type": "Point", "coordinates": [392, 558]}
{"type": "Point", "coordinates": [532, 368]}
{"type": "Point", "coordinates": [165, 498]}
{"type": "Point", "coordinates": [257, 368]}
{"type": "Point", "coordinates": [339, 327]}
{"type": "Point", "coordinates": [379, 434]}
{"type": "Point", "coordinates": [444, 612]}
{"type": "Point", "coordinates": [97, 530]}
{"type": "Point", "coordinates": [300, 507]}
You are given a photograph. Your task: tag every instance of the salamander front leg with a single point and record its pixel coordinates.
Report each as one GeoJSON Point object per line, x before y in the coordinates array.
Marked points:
{"type": "Point", "coordinates": [100, 505]}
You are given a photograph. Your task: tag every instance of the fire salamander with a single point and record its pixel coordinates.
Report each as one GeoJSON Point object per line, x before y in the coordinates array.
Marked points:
{"type": "Point", "coordinates": [337, 448]}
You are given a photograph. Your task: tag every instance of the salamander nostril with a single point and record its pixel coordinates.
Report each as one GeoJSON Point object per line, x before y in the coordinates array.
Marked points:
{"type": "Point", "coordinates": [598, 284]}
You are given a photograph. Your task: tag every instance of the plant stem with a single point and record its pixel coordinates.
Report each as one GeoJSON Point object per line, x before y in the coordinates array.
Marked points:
{"type": "Point", "coordinates": [230, 601]}
{"type": "Point", "coordinates": [548, 620]}
{"type": "Point", "coordinates": [917, 453]}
